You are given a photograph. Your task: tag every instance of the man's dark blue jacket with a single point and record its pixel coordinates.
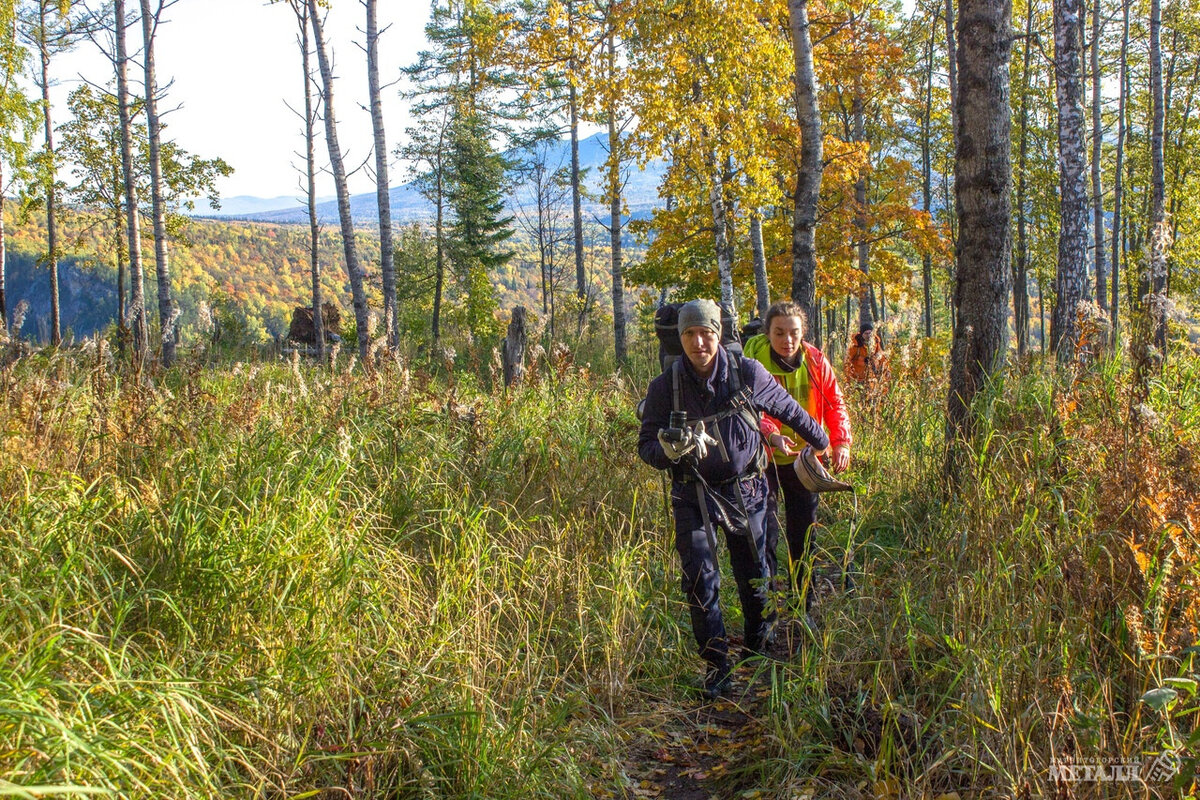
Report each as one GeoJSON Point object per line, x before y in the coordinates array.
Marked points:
{"type": "Point", "coordinates": [702, 398]}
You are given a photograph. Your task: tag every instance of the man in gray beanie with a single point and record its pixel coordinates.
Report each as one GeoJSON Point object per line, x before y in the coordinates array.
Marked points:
{"type": "Point", "coordinates": [705, 313]}
{"type": "Point", "coordinates": [701, 422]}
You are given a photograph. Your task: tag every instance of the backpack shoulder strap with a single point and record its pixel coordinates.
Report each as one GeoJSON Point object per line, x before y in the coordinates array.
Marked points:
{"type": "Point", "coordinates": [735, 372]}
{"type": "Point", "coordinates": [676, 390]}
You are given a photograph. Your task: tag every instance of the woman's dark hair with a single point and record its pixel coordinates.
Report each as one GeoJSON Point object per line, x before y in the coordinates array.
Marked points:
{"type": "Point", "coordinates": [785, 308]}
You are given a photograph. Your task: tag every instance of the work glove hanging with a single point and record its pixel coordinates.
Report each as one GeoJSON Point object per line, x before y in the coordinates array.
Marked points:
{"type": "Point", "coordinates": [703, 440]}
{"type": "Point", "coordinates": [693, 440]}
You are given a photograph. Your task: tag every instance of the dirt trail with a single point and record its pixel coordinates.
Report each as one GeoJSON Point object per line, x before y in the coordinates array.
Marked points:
{"type": "Point", "coordinates": [694, 752]}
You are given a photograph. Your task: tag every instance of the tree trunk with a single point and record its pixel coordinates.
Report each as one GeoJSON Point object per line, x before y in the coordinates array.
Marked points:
{"type": "Point", "coordinates": [310, 162]}
{"type": "Point", "coordinates": [1021, 270]}
{"type": "Point", "coordinates": [1118, 184]}
{"type": "Point", "coordinates": [1072, 237]}
{"type": "Point", "coordinates": [982, 197]}
{"type": "Point", "coordinates": [353, 269]}
{"type": "Point", "coordinates": [3, 262]}
{"type": "Point", "coordinates": [952, 67]}
{"type": "Point", "coordinates": [387, 264]}
{"type": "Point", "coordinates": [762, 290]}
{"type": "Point", "coordinates": [576, 201]}
{"type": "Point", "coordinates": [866, 305]}
{"type": "Point", "coordinates": [716, 197]}
{"type": "Point", "coordinates": [136, 319]}
{"type": "Point", "coordinates": [439, 231]}
{"type": "Point", "coordinates": [51, 192]}
{"type": "Point", "coordinates": [614, 210]}
{"type": "Point", "coordinates": [512, 349]}
{"type": "Point", "coordinates": [927, 181]}
{"type": "Point", "coordinates": [1157, 229]}
{"type": "Point", "coordinates": [118, 222]}
{"type": "Point", "coordinates": [167, 317]}
{"type": "Point", "coordinates": [808, 177]}
{"type": "Point", "coordinates": [1097, 184]}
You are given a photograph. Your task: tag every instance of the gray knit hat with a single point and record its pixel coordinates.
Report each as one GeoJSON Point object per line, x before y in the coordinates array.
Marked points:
{"type": "Point", "coordinates": [700, 312]}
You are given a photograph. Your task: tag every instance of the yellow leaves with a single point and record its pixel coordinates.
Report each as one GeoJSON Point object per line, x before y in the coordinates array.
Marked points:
{"type": "Point", "coordinates": [1139, 555]}
{"type": "Point", "coordinates": [886, 789]}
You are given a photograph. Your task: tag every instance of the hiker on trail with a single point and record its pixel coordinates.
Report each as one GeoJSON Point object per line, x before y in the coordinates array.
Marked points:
{"type": "Point", "coordinates": [701, 422]}
{"type": "Point", "coordinates": [803, 370]}
{"type": "Point", "coordinates": [865, 360]}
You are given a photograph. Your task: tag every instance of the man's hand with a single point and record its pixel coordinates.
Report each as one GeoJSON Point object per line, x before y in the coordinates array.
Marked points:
{"type": "Point", "coordinates": [694, 440]}
{"type": "Point", "coordinates": [676, 449]}
{"type": "Point", "coordinates": [840, 459]}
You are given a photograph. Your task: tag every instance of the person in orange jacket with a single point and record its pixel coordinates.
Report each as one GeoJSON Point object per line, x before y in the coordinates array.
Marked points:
{"type": "Point", "coordinates": [865, 360]}
{"type": "Point", "coordinates": [803, 370]}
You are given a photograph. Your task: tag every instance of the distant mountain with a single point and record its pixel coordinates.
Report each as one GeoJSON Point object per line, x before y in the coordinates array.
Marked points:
{"type": "Point", "coordinates": [243, 206]}
{"type": "Point", "coordinates": [408, 205]}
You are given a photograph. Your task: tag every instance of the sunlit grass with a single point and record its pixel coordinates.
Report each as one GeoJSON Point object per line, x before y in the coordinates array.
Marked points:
{"type": "Point", "coordinates": [265, 580]}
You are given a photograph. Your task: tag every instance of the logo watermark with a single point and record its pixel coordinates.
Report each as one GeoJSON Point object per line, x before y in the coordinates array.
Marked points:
{"type": "Point", "coordinates": [1159, 769]}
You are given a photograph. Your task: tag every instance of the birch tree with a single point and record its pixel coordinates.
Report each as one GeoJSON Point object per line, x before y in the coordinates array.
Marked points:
{"type": "Point", "coordinates": [1021, 264]}
{"type": "Point", "coordinates": [310, 115]}
{"type": "Point", "coordinates": [1097, 181]}
{"type": "Point", "coordinates": [135, 316]}
{"type": "Point", "coordinates": [349, 248]}
{"type": "Point", "coordinates": [167, 313]}
{"type": "Point", "coordinates": [808, 178]}
{"type": "Point", "coordinates": [1118, 175]}
{"type": "Point", "coordinates": [382, 190]}
{"type": "Point", "coordinates": [1072, 242]}
{"type": "Point", "coordinates": [1158, 231]}
{"type": "Point", "coordinates": [50, 28]}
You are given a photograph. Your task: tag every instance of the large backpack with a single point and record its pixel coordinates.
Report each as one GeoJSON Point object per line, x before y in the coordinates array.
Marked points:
{"type": "Point", "coordinates": [666, 328]}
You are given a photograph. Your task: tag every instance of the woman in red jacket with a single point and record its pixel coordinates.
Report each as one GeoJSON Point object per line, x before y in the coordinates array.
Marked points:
{"type": "Point", "coordinates": [804, 371]}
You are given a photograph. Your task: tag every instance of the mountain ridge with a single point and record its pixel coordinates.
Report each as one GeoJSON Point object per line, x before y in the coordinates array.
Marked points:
{"type": "Point", "coordinates": [408, 205]}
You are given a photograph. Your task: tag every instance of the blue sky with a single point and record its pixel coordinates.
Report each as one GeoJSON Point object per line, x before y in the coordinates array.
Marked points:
{"type": "Point", "coordinates": [236, 62]}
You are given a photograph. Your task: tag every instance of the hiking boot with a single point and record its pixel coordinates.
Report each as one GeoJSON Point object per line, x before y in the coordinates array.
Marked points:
{"type": "Point", "coordinates": [717, 681]}
{"type": "Point", "coordinates": [768, 648]}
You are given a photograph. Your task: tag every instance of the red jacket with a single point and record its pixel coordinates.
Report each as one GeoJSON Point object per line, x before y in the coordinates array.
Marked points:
{"type": "Point", "coordinates": [823, 400]}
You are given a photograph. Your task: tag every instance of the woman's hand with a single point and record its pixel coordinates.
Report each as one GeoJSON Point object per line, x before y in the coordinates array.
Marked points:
{"type": "Point", "coordinates": [840, 460]}
{"type": "Point", "coordinates": [783, 444]}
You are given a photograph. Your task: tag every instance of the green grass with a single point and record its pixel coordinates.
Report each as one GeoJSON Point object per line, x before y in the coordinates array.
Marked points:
{"type": "Point", "coordinates": [264, 580]}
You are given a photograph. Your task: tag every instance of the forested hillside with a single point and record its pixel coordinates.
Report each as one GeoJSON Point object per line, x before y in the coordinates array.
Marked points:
{"type": "Point", "coordinates": [254, 273]}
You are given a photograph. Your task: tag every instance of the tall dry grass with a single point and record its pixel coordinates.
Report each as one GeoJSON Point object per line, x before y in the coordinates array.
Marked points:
{"type": "Point", "coordinates": [265, 580]}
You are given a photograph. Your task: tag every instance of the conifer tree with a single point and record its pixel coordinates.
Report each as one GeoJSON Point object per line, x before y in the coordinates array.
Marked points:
{"type": "Point", "coordinates": [476, 173]}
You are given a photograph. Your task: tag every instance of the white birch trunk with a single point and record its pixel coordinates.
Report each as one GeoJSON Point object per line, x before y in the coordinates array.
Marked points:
{"type": "Point", "coordinates": [1071, 272]}
{"type": "Point", "coordinates": [136, 312]}
{"type": "Point", "coordinates": [387, 265]}
{"type": "Point", "coordinates": [353, 268]}
{"type": "Point", "coordinates": [167, 318]}
{"type": "Point", "coordinates": [808, 178]}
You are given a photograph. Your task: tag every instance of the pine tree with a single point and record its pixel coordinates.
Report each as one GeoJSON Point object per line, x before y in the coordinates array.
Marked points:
{"type": "Point", "coordinates": [475, 177]}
